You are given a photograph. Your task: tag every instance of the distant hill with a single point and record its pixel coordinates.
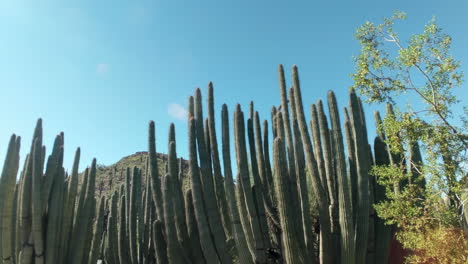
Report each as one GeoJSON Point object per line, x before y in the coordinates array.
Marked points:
{"type": "Point", "coordinates": [111, 177]}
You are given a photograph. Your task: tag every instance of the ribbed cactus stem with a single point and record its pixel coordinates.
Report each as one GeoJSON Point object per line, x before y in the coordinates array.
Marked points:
{"type": "Point", "coordinates": [175, 253]}
{"type": "Point", "coordinates": [328, 144]}
{"type": "Point", "coordinates": [123, 241]}
{"type": "Point", "coordinates": [178, 201]}
{"type": "Point", "coordinates": [243, 252]}
{"type": "Point", "coordinates": [319, 190]}
{"type": "Point", "coordinates": [192, 229]}
{"type": "Point", "coordinates": [159, 242]}
{"type": "Point", "coordinates": [350, 143]}
{"type": "Point", "coordinates": [25, 218]}
{"type": "Point", "coordinates": [37, 221]}
{"type": "Point", "coordinates": [69, 210]}
{"type": "Point", "coordinates": [54, 216]}
{"type": "Point", "coordinates": [97, 233]}
{"type": "Point", "coordinates": [261, 156]}
{"type": "Point", "coordinates": [113, 235]}
{"type": "Point", "coordinates": [328, 157]}
{"type": "Point", "coordinates": [79, 248]}
{"type": "Point", "coordinates": [242, 165]}
{"type": "Point", "coordinates": [218, 178]}
{"type": "Point", "coordinates": [287, 124]}
{"type": "Point", "coordinates": [211, 206]}
{"type": "Point", "coordinates": [148, 214]}
{"type": "Point", "coordinates": [206, 241]}
{"type": "Point", "coordinates": [133, 217]}
{"type": "Point", "coordinates": [259, 194]}
{"type": "Point", "coordinates": [322, 145]}
{"type": "Point", "coordinates": [362, 165]}
{"type": "Point", "coordinates": [266, 151]}
{"type": "Point", "coordinates": [52, 169]}
{"type": "Point", "coordinates": [305, 227]}
{"type": "Point", "coordinates": [292, 252]}
{"type": "Point", "coordinates": [273, 122]}
{"type": "Point", "coordinates": [317, 140]}
{"type": "Point", "coordinates": [382, 231]}
{"type": "Point", "coordinates": [154, 172]}
{"type": "Point", "coordinates": [7, 189]}
{"type": "Point", "coordinates": [347, 241]}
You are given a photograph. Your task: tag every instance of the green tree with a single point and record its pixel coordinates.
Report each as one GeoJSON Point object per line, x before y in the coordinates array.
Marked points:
{"type": "Point", "coordinates": [424, 195]}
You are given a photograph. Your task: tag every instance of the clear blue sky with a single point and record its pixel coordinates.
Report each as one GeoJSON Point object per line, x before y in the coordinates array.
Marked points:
{"type": "Point", "coordinates": [100, 70]}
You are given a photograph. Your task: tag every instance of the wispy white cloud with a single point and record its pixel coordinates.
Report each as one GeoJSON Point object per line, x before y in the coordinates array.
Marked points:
{"type": "Point", "coordinates": [177, 111]}
{"type": "Point", "coordinates": [102, 68]}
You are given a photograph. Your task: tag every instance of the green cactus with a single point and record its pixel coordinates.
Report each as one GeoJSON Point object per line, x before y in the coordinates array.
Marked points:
{"type": "Point", "coordinates": [243, 253]}
{"type": "Point", "coordinates": [69, 210]}
{"type": "Point", "coordinates": [7, 190]}
{"type": "Point", "coordinates": [122, 232]}
{"type": "Point", "coordinates": [363, 166]}
{"type": "Point", "coordinates": [259, 194]}
{"type": "Point", "coordinates": [319, 190]}
{"type": "Point", "coordinates": [244, 181]}
{"type": "Point", "coordinates": [154, 172]}
{"type": "Point", "coordinates": [81, 237]}
{"type": "Point", "coordinates": [383, 232]}
{"type": "Point", "coordinates": [175, 253]}
{"type": "Point", "coordinates": [218, 178]}
{"type": "Point", "coordinates": [37, 220]}
{"type": "Point", "coordinates": [345, 206]}
{"type": "Point", "coordinates": [97, 232]}
{"type": "Point", "coordinates": [305, 228]}
{"type": "Point", "coordinates": [159, 242]}
{"type": "Point", "coordinates": [292, 251]}
{"type": "Point", "coordinates": [206, 241]}
{"type": "Point", "coordinates": [133, 216]}
{"type": "Point", "coordinates": [192, 229]}
{"type": "Point", "coordinates": [178, 201]}
{"type": "Point", "coordinates": [211, 206]}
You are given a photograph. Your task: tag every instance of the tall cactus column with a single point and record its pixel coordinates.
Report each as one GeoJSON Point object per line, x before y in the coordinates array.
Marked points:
{"type": "Point", "coordinates": [244, 182]}
{"type": "Point", "coordinates": [243, 253]}
{"type": "Point", "coordinates": [211, 205]}
{"type": "Point", "coordinates": [362, 158]}
{"type": "Point", "coordinates": [347, 241]}
{"type": "Point", "coordinates": [7, 191]}
{"type": "Point", "coordinates": [217, 177]}
{"type": "Point", "coordinates": [206, 241]}
{"type": "Point", "coordinates": [292, 252]}
{"type": "Point", "coordinates": [322, 198]}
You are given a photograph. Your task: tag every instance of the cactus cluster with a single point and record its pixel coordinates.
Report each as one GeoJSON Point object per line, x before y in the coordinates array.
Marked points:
{"type": "Point", "coordinates": [262, 214]}
{"type": "Point", "coordinates": [45, 217]}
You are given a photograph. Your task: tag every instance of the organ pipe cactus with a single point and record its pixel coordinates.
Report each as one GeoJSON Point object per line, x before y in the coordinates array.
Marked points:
{"type": "Point", "coordinates": [292, 252]}
{"type": "Point", "coordinates": [319, 190]}
{"type": "Point", "coordinates": [175, 253]}
{"type": "Point", "coordinates": [122, 233]}
{"type": "Point", "coordinates": [218, 179]}
{"type": "Point", "coordinates": [133, 216]}
{"type": "Point", "coordinates": [155, 180]}
{"type": "Point", "coordinates": [7, 189]}
{"type": "Point", "coordinates": [49, 216]}
{"type": "Point", "coordinates": [244, 255]}
{"type": "Point", "coordinates": [211, 206]}
{"type": "Point", "coordinates": [363, 166]}
{"type": "Point", "coordinates": [253, 225]}
{"type": "Point", "coordinates": [192, 229]}
{"type": "Point", "coordinates": [345, 206]}
{"type": "Point", "coordinates": [206, 241]}
{"type": "Point", "coordinates": [97, 233]}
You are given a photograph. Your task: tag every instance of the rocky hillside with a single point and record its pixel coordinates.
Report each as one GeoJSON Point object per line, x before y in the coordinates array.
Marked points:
{"type": "Point", "coordinates": [110, 177]}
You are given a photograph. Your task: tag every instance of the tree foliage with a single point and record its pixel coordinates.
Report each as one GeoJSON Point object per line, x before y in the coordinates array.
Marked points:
{"type": "Point", "coordinates": [425, 196]}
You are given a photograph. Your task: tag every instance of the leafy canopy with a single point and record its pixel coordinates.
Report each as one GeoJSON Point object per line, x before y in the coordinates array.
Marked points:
{"type": "Point", "coordinates": [424, 187]}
